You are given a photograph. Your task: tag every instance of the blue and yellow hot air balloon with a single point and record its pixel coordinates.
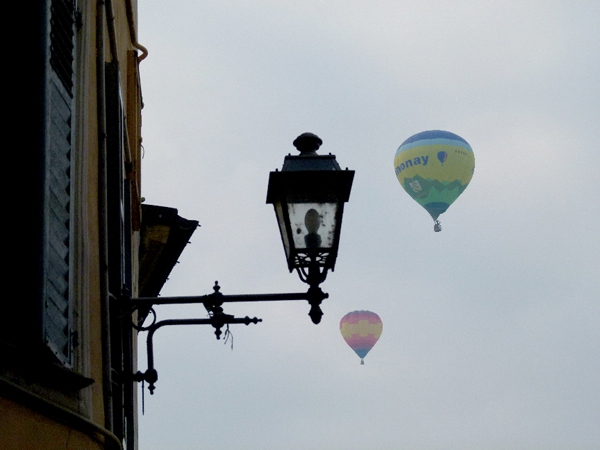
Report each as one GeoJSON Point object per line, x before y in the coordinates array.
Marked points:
{"type": "Point", "coordinates": [434, 167]}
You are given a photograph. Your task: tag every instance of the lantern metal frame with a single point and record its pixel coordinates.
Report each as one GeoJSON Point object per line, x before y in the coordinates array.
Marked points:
{"type": "Point", "coordinates": [313, 179]}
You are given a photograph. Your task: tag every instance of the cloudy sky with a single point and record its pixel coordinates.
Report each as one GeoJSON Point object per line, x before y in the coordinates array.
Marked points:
{"type": "Point", "coordinates": [491, 336]}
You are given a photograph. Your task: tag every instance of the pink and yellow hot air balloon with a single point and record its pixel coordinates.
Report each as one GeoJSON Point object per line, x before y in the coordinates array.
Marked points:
{"type": "Point", "coordinates": [361, 331]}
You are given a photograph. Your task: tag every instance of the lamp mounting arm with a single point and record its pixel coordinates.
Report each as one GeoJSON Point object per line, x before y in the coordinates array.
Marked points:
{"type": "Point", "coordinates": [213, 303]}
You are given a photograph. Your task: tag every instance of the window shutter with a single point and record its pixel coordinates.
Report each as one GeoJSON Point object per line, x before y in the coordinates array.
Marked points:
{"type": "Point", "coordinates": [58, 145]}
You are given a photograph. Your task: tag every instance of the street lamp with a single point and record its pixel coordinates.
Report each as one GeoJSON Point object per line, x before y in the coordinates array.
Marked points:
{"type": "Point", "coordinates": [308, 195]}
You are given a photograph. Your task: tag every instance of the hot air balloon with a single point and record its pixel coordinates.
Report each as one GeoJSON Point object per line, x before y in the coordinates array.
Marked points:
{"type": "Point", "coordinates": [434, 168]}
{"type": "Point", "coordinates": [361, 330]}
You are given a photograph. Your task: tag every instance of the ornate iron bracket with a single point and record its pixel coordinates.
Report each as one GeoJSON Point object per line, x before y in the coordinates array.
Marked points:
{"type": "Point", "coordinates": [217, 318]}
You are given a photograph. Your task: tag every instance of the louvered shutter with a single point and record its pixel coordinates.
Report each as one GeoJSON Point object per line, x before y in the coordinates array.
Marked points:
{"type": "Point", "coordinates": [58, 150]}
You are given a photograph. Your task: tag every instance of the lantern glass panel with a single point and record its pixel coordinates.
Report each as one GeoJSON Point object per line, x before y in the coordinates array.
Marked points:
{"type": "Point", "coordinates": [313, 225]}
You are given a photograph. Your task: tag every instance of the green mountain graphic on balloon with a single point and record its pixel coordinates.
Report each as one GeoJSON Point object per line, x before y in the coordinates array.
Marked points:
{"type": "Point", "coordinates": [433, 195]}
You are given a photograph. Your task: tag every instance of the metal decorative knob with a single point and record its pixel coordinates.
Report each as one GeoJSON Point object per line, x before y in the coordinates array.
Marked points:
{"type": "Point", "coordinates": [307, 143]}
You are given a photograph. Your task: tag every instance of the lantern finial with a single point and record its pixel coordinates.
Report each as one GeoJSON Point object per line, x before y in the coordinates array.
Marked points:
{"type": "Point", "coordinates": [307, 143]}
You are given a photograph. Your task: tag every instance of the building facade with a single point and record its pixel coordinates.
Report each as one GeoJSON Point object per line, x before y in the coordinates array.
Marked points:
{"type": "Point", "coordinates": [82, 246]}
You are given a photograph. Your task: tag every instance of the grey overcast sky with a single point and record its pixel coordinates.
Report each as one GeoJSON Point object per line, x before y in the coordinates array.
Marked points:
{"type": "Point", "coordinates": [491, 336]}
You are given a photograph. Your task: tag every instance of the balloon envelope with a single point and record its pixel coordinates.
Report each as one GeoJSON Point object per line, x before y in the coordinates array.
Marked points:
{"type": "Point", "coordinates": [361, 330]}
{"type": "Point", "coordinates": [434, 168]}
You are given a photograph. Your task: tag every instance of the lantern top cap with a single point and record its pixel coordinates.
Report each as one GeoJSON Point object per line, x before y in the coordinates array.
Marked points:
{"type": "Point", "coordinates": [307, 143]}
